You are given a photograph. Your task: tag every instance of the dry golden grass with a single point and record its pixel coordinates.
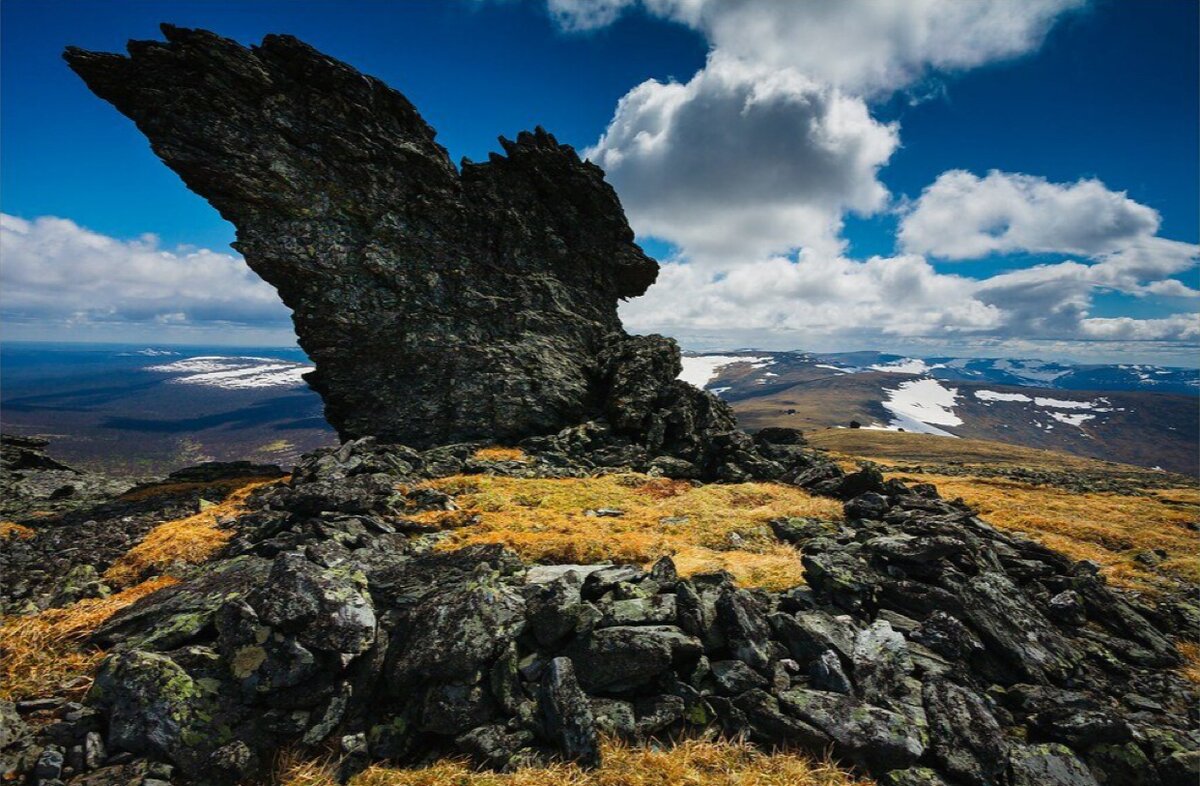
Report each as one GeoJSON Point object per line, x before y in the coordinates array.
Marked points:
{"type": "Point", "coordinates": [9, 529]}
{"type": "Point", "coordinates": [190, 540]}
{"type": "Point", "coordinates": [1109, 529]}
{"type": "Point", "coordinates": [1191, 661]}
{"type": "Point", "coordinates": [894, 447]}
{"type": "Point", "coordinates": [500, 453]}
{"type": "Point", "coordinates": [41, 651]}
{"type": "Point", "coordinates": [706, 528]}
{"type": "Point", "coordinates": [687, 763]}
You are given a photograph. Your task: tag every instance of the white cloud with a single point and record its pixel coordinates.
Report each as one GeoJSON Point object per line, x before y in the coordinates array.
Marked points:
{"type": "Point", "coordinates": [812, 295]}
{"type": "Point", "coordinates": [962, 216]}
{"type": "Point", "coordinates": [864, 46]}
{"type": "Point", "coordinates": [57, 271]}
{"type": "Point", "coordinates": [743, 161]}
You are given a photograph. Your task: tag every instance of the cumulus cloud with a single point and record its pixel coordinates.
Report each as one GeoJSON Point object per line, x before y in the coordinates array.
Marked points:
{"type": "Point", "coordinates": [811, 293]}
{"type": "Point", "coordinates": [962, 216]}
{"type": "Point", "coordinates": [863, 46]}
{"type": "Point", "coordinates": [744, 161]}
{"type": "Point", "coordinates": [767, 147]}
{"type": "Point", "coordinates": [57, 271]}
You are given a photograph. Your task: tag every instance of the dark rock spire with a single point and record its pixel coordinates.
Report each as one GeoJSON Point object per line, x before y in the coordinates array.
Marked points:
{"type": "Point", "coordinates": [438, 305]}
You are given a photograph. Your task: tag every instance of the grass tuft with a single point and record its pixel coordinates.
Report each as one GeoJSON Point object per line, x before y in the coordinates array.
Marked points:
{"type": "Point", "coordinates": [1191, 661]}
{"type": "Point", "coordinates": [190, 540]}
{"type": "Point", "coordinates": [704, 529]}
{"type": "Point", "coordinates": [691, 762]}
{"type": "Point", "coordinates": [9, 529]}
{"type": "Point", "coordinates": [42, 651]}
{"type": "Point", "coordinates": [500, 453]}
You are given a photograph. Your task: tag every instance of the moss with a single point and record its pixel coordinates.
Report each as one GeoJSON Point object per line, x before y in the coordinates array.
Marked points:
{"type": "Point", "coordinates": [247, 660]}
{"type": "Point", "coordinates": [697, 715]}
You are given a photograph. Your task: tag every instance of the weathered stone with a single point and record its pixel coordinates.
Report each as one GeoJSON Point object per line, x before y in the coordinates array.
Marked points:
{"type": "Point", "coordinates": [964, 736]}
{"type": "Point", "coordinates": [623, 657]}
{"type": "Point", "coordinates": [1047, 765]}
{"type": "Point", "coordinates": [862, 733]}
{"type": "Point", "coordinates": [770, 725]}
{"type": "Point", "coordinates": [913, 776]}
{"type": "Point", "coordinates": [456, 633]}
{"type": "Point", "coordinates": [810, 634]}
{"type": "Point", "coordinates": [652, 610]}
{"type": "Point", "coordinates": [1014, 627]}
{"type": "Point", "coordinates": [453, 708]}
{"type": "Point", "coordinates": [746, 629]}
{"type": "Point", "coordinates": [439, 305]}
{"type": "Point", "coordinates": [733, 677]}
{"type": "Point", "coordinates": [566, 714]}
{"type": "Point", "coordinates": [493, 746]}
{"type": "Point", "coordinates": [881, 663]}
{"type": "Point", "coordinates": [326, 609]}
{"type": "Point", "coordinates": [827, 674]}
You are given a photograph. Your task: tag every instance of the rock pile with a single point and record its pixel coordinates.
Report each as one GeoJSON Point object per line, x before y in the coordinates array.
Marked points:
{"type": "Point", "coordinates": [927, 648]}
{"type": "Point", "coordinates": [80, 523]}
{"type": "Point", "coordinates": [439, 304]}
{"type": "Point", "coordinates": [30, 479]}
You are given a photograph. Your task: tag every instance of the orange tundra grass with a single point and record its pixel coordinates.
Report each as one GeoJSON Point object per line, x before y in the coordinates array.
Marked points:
{"type": "Point", "coordinates": [38, 652]}
{"type": "Point", "coordinates": [689, 762]}
{"type": "Point", "coordinates": [191, 540]}
{"type": "Point", "coordinates": [703, 528]}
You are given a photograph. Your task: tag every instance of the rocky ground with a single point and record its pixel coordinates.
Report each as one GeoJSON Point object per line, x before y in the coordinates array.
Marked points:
{"type": "Point", "coordinates": [925, 648]}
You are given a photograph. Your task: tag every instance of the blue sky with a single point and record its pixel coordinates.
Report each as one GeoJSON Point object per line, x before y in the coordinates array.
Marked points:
{"type": "Point", "coordinates": [866, 246]}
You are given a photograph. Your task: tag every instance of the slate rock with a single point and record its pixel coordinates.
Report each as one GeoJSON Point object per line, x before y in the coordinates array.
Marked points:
{"type": "Point", "coordinates": [455, 633]}
{"type": "Point", "coordinates": [1049, 764]}
{"type": "Point", "coordinates": [439, 304]}
{"type": "Point", "coordinates": [965, 737]}
{"type": "Point", "coordinates": [566, 714]}
{"type": "Point", "coordinates": [624, 657]}
{"type": "Point", "coordinates": [861, 733]}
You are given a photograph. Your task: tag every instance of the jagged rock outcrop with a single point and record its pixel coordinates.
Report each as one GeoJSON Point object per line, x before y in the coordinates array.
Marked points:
{"type": "Point", "coordinates": [439, 304]}
{"type": "Point", "coordinates": [926, 648]}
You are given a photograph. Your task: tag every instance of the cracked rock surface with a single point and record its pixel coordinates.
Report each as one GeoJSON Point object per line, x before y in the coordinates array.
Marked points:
{"type": "Point", "coordinates": [439, 304]}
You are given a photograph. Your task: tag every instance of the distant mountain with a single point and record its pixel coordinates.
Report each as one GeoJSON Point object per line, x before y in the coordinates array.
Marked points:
{"type": "Point", "coordinates": [149, 410]}
{"type": "Point", "coordinates": [1143, 415]}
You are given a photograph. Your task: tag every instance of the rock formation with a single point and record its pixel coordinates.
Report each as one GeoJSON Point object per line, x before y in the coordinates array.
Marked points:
{"type": "Point", "coordinates": [439, 304]}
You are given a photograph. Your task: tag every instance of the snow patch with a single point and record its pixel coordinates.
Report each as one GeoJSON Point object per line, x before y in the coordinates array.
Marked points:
{"type": "Point", "coordinates": [1072, 419]}
{"type": "Point", "coordinates": [234, 373]}
{"type": "Point", "coordinates": [921, 405]}
{"type": "Point", "coordinates": [699, 370]}
{"type": "Point", "coordinates": [992, 395]}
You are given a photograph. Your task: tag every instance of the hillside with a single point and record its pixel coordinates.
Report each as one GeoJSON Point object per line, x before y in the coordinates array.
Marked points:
{"type": "Point", "coordinates": [533, 554]}
{"type": "Point", "coordinates": [1123, 418]}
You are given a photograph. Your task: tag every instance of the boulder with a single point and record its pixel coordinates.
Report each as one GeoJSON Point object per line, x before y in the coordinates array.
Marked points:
{"type": "Point", "coordinates": [624, 657]}
{"type": "Point", "coordinates": [1047, 765]}
{"type": "Point", "coordinates": [566, 714]}
{"type": "Point", "coordinates": [862, 733]}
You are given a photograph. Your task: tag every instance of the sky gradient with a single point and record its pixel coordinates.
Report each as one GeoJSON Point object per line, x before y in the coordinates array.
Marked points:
{"type": "Point", "coordinates": [1015, 179]}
